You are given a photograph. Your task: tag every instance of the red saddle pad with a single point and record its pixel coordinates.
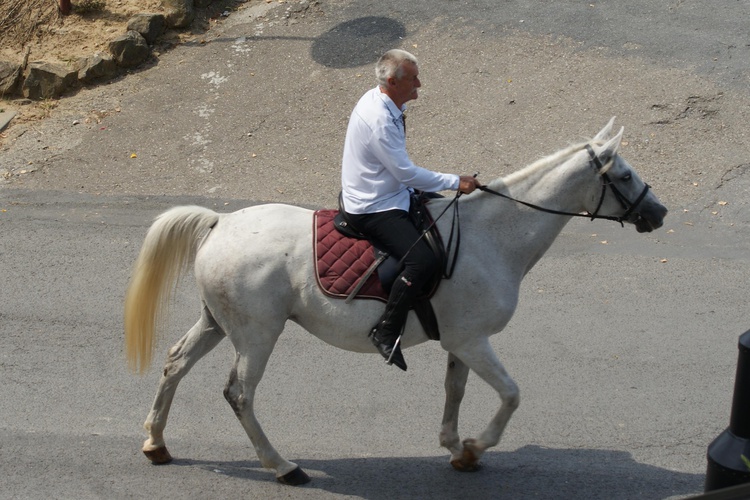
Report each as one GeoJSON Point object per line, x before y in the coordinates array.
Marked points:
{"type": "Point", "coordinates": [341, 261]}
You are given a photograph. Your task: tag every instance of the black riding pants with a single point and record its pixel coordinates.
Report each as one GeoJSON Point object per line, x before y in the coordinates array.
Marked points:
{"type": "Point", "coordinates": [394, 230]}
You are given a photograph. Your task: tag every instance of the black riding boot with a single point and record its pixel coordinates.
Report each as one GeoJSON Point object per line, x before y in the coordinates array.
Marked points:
{"type": "Point", "coordinates": [386, 334]}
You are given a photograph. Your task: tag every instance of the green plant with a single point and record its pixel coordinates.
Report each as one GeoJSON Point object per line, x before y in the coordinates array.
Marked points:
{"type": "Point", "coordinates": [746, 461]}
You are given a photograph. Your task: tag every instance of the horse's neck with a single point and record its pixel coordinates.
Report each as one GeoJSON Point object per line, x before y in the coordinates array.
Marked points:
{"type": "Point", "coordinates": [524, 232]}
{"type": "Point", "coordinates": [557, 187]}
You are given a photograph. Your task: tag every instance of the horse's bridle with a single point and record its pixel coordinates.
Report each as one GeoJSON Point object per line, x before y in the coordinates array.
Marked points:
{"type": "Point", "coordinates": [606, 181]}
{"type": "Point", "coordinates": [624, 202]}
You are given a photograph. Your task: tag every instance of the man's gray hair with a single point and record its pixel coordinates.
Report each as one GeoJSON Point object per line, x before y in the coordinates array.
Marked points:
{"type": "Point", "coordinates": [389, 65]}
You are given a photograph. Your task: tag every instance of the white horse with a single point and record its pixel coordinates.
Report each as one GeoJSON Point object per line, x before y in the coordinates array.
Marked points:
{"type": "Point", "coordinates": [254, 269]}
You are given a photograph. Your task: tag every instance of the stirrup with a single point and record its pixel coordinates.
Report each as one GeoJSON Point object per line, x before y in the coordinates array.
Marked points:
{"type": "Point", "coordinates": [391, 354]}
{"type": "Point", "coordinates": [394, 349]}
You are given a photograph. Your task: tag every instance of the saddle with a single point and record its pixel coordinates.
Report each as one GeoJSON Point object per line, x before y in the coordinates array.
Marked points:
{"type": "Point", "coordinates": [350, 267]}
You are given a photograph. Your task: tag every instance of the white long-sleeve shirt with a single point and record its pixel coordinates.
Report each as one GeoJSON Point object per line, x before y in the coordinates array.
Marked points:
{"type": "Point", "coordinates": [376, 171]}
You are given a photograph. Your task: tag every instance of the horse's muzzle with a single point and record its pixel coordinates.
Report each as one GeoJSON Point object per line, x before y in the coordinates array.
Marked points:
{"type": "Point", "coordinates": [649, 219]}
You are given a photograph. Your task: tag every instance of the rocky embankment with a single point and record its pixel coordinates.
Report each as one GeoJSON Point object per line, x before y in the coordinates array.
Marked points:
{"type": "Point", "coordinates": [39, 80]}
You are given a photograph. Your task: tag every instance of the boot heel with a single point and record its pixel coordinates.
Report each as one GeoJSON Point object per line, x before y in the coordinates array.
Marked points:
{"type": "Point", "coordinates": [391, 354]}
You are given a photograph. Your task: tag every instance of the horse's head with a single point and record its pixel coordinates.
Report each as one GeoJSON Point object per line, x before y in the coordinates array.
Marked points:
{"type": "Point", "coordinates": [623, 194]}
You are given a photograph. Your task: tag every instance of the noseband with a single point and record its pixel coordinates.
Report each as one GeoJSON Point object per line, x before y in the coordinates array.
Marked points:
{"type": "Point", "coordinates": [606, 181]}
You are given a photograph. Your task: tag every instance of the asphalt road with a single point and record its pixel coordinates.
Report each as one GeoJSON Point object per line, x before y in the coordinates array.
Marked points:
{"type": "Point", "coordinates": [624, 345]}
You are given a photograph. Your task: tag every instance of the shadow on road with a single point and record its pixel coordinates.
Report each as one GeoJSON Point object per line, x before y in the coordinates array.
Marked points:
{"type": "Point", "coordinates": [529, 472]}
{"type": "Point", "coordinates": [357, 42]}
{"type": "Point", "coordinates": [350, 44]}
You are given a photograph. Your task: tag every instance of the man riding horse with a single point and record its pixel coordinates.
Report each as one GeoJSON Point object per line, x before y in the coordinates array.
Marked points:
{"type": "Point", "coordinates": [377, 179]}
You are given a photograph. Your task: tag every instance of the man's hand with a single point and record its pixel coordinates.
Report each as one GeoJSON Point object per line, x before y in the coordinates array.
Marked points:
{"type": "Point", "coordinates": [468, 183]}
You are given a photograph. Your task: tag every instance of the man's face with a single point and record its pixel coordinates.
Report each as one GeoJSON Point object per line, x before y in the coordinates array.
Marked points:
{"type": "Point", "coordinates": [405, 88]}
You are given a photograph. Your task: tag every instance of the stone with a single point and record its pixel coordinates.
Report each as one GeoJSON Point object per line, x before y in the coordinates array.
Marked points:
{"type": "Point", "coordinates": [6, 115]}
{"type": "Point", "coordinates": [180, 13]}
{"type": "Point", "coordinates": [130, 49]}
{"type": "Point", "coordinates": [10, 77]}
{"type": "Point", "coordinates": [48, 80]}
{"type": "Point", "coordinates": [96, 67]}
{"type": "Point", "coordinates": [150, 26]}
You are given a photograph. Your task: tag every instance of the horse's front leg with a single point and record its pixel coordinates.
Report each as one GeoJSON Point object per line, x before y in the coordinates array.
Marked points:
{"type": "Point", "coordinates": [455, 385]}
{"type": "Point", "coordinates": [480, 357]}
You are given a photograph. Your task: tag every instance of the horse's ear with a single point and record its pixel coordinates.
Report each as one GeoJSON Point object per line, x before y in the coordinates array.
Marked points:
{"type": "Point", "coordinates": [611, 146]}
{"type": "Point", "coordinates": [603, 134]}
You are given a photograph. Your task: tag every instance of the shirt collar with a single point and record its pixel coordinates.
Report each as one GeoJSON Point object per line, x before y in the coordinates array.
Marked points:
{"type": "Point", "coordinates": [390, 104]}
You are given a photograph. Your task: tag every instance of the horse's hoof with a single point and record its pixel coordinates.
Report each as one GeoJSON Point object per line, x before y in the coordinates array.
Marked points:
{"type": "Point", "coordinates": [469, 460]}
{"type": "Point", "coordinates": [158, 456]}
{"type": "Point", "coordinates": [297, 477]}
{"type": "Point", "coordinates": [462, 466]}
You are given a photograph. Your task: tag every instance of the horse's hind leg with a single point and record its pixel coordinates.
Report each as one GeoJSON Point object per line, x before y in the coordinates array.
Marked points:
{"type": "Point", "coordinates": [480, 357]}
{"type": "Point", "coordinates": [455, 386]}
{"type": "Point", "coordinates": [240, 394]}
{"type": "Point", "coordinates": [197, 342]}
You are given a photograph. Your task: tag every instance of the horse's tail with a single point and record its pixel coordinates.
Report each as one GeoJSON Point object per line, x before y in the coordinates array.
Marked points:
{"type": "Point", "coordinates": [169, 247]}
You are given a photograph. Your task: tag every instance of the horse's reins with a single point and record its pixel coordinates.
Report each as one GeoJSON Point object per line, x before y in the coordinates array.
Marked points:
{"type": "Point", "coordinates": [606, 181]}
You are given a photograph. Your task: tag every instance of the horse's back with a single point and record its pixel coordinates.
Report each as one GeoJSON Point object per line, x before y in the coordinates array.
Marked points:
{"type": "Point", "coordinates": [260, 230]}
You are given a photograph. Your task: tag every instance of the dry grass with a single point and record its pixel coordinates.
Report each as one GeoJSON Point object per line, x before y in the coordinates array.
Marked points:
{"type": "Point", "coordinates": [20, 20]}
{"type": "Point", "coordinates": [35, 30]}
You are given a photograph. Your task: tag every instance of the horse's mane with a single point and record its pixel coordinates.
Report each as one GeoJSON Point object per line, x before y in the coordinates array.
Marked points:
{"type": "Point", "coordinates": [546, 163]}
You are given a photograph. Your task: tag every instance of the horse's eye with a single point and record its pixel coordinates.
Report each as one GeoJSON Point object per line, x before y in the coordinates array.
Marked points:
{"type": "Point", "coordinates": [627, 177]}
